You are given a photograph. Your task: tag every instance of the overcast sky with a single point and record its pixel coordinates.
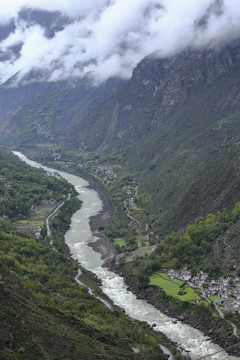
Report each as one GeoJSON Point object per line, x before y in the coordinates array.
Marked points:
{"type": "Point", "coordinates": [109, 37]}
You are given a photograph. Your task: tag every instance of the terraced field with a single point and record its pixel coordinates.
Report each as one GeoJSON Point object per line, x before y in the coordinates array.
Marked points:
{"type": "Point", "coordinates": [35, 221]}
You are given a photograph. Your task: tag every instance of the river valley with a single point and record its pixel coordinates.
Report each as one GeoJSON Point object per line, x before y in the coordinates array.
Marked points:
{"type": "Point", "coordinates": [79, 236]}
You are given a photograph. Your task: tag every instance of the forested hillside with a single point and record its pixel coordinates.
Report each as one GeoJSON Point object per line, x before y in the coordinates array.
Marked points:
{"type": "Point", "coordinates": [44, 311]}
{"type": "Point", "coordinates": [23, 187]}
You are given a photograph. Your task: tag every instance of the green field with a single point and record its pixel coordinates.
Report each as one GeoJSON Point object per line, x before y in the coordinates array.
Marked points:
{"type": "Point", "coordinates": [213, 297]}
{"type": "Point", "coordinates": [172, 287]}
{"type": "Point", "coordinates": [146, 243]}
{"type": "Point", "coordinates": [35, 218]}
{"type": "Point", "coordinates": [120, 243]}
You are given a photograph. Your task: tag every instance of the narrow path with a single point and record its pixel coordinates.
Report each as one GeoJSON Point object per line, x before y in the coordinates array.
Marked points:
{"type": "Point", "coordinates": [221, 314]}
{"type": "Point", "coordinates": [128, 213]}
{"type": "Point", "coordinates": [106, 303]}
{"type": "Point", "coordinates": [49, 216]}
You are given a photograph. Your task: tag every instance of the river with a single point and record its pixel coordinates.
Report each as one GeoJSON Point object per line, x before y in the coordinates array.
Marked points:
{"type": "Point", "coordinates": [78, 237]}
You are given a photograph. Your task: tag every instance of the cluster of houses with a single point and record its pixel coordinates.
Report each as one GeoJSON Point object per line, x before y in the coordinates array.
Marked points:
{"type": "Point", "coordinates": [105, 175]}
{"type": "Point", "coordinates": [45, 202]}
{"type": "Point", "coordinates": [226, 291]}
{"type": "Point", "coordinates": [131, 190]}
{"type": "Point", "coordinates": [8, 185]}
{"type": "Point", "coordinates": [56, 156]}
{"type": "Point", "coordinates": [36, 230]}
{"type": "Point", "coordinates": [42, 129]}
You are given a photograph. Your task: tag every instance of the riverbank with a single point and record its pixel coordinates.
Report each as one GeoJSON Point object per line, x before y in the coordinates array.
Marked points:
{"type": "Point", "coordinates": [149, 294]}
{"type": "Point", "coordinates": [98, 223]}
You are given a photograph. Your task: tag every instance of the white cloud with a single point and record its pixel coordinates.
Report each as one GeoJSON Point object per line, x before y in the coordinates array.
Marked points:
{"type": "Point", "coordinates": [71, 8]}
{"type": "Point", "coordinates": [109, 37]}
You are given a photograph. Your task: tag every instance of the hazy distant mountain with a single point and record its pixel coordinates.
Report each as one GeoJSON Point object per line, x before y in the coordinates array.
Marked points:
{"type": "Point", "coordinates": [14, 94]}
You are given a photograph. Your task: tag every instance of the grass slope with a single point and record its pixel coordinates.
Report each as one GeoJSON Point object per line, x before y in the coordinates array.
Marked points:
{"type": "Point", "coordinates": [172, 287]}
{"type": "Point", "coordinates": [31, 331]}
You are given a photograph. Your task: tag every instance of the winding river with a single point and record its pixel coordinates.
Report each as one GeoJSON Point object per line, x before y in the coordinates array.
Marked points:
{"type": "Point", "coordinates": [78, 237]}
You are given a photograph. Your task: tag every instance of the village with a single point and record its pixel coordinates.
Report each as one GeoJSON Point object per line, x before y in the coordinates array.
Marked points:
{"type": "Point", "coordinates": [105, 175]}
{"type": "Point", "coordinates": [224, 293]}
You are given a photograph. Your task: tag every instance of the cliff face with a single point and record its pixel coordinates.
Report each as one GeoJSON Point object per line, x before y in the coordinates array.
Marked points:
{"type": "Point", "coordinates": [158, 89]}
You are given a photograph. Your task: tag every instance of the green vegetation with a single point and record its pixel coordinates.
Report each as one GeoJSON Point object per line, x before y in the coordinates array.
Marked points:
{"type": "Point", "coordinates": [22, 187]}
{"type": "Point", "coordinates": [49, 276]}
{"type": "Point", "coordinates": [181, 147]}
{"type": "Point", "coordinates": [120, 229]}
{"type": "Point", "coordinates": [213, 298]}
{"type": "Point", "coordinates": [173, 287]}
{"type": "Point", "coordinates": [119, 243]}
{"type": "Point", "coordinates": [30, 331]}
{"type": "Point", "coordinates": [45, 276]}
{"type": "Point", "coordinates": [194, 249]}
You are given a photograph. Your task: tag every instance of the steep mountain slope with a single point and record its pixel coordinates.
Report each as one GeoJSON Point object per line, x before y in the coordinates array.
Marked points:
{"type": "Point", "coordinates": [13, 95]}
{"type": "Point", "coordinates": [15, 92]}
{"type": "Point", "coordinates": [177, 118]}
{"type": "Point", "coordinates": [180, 118]}
{"type": "Point", "coordinates": [12, 98]}
{"type": "Point", "coordinates": [51, 115]}
{"type": "Point", "coordinates": [156, 92]}
{"type": "Point", "coordinates": [31, 331]}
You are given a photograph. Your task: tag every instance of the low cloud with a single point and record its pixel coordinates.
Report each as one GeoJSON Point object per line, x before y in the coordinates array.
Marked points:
{"type": "Point", "coordinates": [107, 38]}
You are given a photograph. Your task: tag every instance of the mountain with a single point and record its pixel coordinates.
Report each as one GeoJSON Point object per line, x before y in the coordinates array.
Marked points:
{"type": "Point", "coordinates": [49, 116]}
{"type": "Point", "coordinates": [178, 118]}
{"type": "Point", "coordinates": [157, 92]}
{"type": "Point", "coordinates": [15, 93]}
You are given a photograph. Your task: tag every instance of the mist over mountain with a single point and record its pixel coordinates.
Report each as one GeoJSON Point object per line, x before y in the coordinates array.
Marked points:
{"type": "Point", "coordinates": [67, 41]}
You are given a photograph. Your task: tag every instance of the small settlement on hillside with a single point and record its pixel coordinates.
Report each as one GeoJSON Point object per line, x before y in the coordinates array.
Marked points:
{"type": "Point", "coordinates": [225, 292]}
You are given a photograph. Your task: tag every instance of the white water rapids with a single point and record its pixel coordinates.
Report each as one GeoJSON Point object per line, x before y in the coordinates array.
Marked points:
{"type": "Point", "coordinates": [77, 238]}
